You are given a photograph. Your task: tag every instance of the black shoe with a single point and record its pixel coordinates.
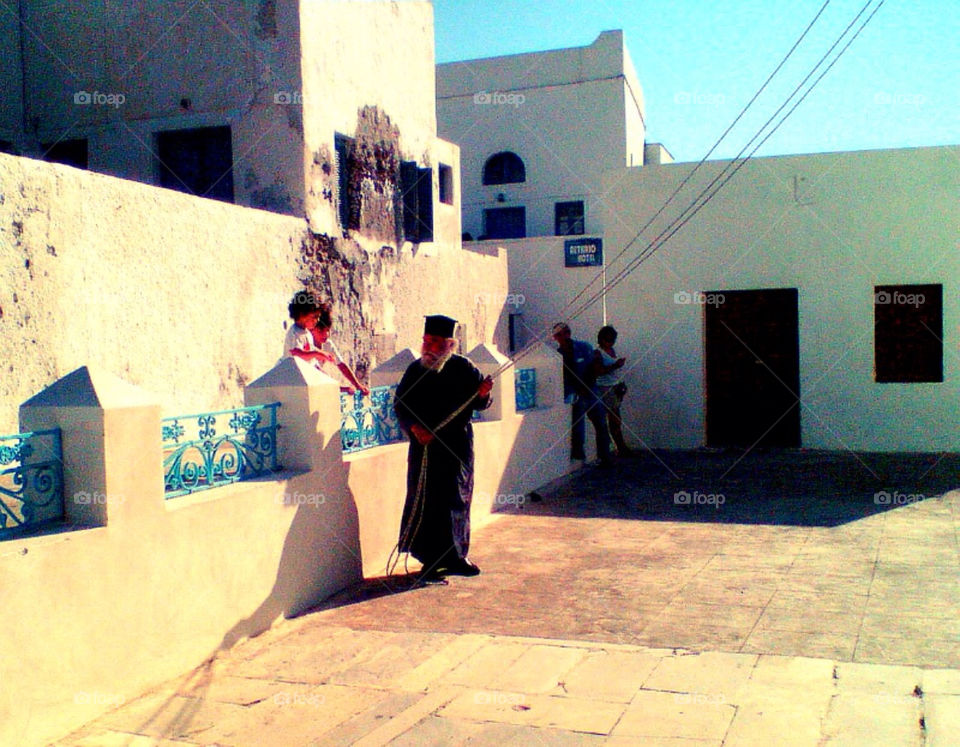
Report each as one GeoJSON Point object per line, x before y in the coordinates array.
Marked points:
{"type": "Point", "coordinates": [463, 568]}
{"type": "Point", "coordinates": [431, 576]}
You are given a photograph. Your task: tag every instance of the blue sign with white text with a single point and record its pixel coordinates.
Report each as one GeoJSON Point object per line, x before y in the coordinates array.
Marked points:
{"type": "Point", "coordinates": [583, 252]}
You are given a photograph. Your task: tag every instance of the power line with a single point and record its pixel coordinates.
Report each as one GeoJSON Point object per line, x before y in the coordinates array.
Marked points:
{"type": "Point", "coordinates": [696, 205]}
{"type": "Point", "coordinates": [689, 176]}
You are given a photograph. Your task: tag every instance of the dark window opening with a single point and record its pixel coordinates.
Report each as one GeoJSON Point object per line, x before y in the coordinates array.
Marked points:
{"type": "Point", "coordinates": [505, 223]}
{"type": "Point", "coordinates": [348, 206]}
{"type": "Point", "coordinates": [67, 152]}
{"type": "Point", "coordinates": [908, 333]}
{"type": "Point", "coordinates": [517, 331]}
{"type": "Point", "coordinates": [446, 184]}
{"type": "Point", "coordinates": [7, 147]}
{"type": "Point", "coordinates": [197, 161]}
{"type": "Point", "coordinates": [417, 186]}
{"type": "Point", "coordinates": [504, 168]}
{"type": "Point", "coordinates": [568, 218]}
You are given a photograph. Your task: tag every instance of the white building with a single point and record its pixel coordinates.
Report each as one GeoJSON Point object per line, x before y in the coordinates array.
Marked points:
{"type": "Point", "coordinates": [812, 302]}
{"type": "Point", "coordinates": [537, 132]}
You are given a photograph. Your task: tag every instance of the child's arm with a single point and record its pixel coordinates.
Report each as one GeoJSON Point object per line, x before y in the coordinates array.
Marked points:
{"type": "Point", "coordinates": [312, 355]}
{"type": "Point", "coordinates": [345, 370]}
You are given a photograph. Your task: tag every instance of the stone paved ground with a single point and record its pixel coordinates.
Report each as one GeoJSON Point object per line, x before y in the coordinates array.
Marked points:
{"type": "Point", "coordinates": [680, 598]}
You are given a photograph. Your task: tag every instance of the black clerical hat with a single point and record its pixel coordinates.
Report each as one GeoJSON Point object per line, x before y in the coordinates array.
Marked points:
{"type": "Point", "coordinates": [439, 325]}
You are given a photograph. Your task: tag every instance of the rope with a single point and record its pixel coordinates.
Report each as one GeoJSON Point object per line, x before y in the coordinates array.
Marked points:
{"type": "Point", "coordinates": [658, 242]}
{"type": "Point", "coordinates": [409, 531]}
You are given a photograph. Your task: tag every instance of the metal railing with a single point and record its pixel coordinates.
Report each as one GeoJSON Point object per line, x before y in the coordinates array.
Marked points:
{"type": "Point", "coordinates": [222, 447]}
{"type": "Point", "coordinates": [31, 480]}
{"type": "Point", "coordinates": [526, 388]}
{"type": "Point", "coordinates": [363, 426]}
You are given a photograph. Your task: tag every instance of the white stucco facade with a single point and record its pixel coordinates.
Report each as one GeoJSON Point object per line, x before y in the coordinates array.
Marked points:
{"type": "Point", "coordinates": [571, 115]}
{"type": "Point", "coordinates": [832, 226]}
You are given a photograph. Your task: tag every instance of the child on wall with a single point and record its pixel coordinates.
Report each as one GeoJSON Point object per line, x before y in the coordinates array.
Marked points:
{"type": "Point", "coordinates": [308, 339]}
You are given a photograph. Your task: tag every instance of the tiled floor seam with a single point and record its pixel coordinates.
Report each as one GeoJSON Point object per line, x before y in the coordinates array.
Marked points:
{"type": "Point", "coordinates": [779, 583]}
{"type": "Point", "coordinates": [873, 578]}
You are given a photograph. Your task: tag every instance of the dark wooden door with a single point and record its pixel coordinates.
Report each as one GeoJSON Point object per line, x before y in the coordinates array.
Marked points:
{"type": "Point", "coordinates": [752, 368]}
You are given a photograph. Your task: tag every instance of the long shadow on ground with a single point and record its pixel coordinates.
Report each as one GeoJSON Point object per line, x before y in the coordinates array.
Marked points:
{"type": "Point", "coordinates": [782, 487]}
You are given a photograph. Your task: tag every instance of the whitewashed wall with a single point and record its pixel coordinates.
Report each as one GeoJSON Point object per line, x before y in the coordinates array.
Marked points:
{"type": "Point", "coordinates": [831, 225]}
{"type": "Point", "coordinates": [570, 114]}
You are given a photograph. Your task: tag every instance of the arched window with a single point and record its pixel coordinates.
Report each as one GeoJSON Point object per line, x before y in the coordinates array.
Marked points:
{"type": "Point", "coordinates": [504, 168]}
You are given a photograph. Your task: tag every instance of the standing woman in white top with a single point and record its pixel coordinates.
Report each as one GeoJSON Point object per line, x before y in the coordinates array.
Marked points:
{"type": "Point", "coordinates": [610, 387]}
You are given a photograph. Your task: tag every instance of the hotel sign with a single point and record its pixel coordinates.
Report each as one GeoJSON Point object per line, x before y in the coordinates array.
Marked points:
{"type": "Point", "coordinates": [583, 252]}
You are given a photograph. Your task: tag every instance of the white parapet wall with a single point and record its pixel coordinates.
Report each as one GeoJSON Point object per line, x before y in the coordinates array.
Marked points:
{"type": "Point", "coordinates": [164, 584]}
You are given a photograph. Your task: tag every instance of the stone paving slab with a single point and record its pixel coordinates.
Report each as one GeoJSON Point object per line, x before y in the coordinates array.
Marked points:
{"type": "Point", "coordinates": [601, 693]}
{"type": "Point", "coordinates": [801, 612]}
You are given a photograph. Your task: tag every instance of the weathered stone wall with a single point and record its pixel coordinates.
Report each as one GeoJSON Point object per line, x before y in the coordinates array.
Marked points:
{"type": "Point", "coordinates": [187, 297]}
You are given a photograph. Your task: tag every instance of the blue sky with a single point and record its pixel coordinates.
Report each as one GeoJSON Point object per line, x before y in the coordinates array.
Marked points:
{"type": "Point", "coordinates": [700, 61]}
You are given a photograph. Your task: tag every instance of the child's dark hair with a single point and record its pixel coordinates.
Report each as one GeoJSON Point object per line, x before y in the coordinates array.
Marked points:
{"type": "Point", "coordinates": [607, 333]}
{"type": "Point", "coordinates": [306, 302]}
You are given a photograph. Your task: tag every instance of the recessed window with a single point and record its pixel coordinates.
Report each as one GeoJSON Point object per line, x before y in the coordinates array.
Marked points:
{"type": "Point", "coordinates": [505, 223]}
{"type": "Point", "coordinates": [197, 161]}
{"type": "Point", "coordinates": [417, 187]}
{"type": "Point", "coordinates": [568, 218]}
{"type": "Point", "coordinates": [348, 207]}
{"type": "Point", "coordinates": [446, 184]}
{"type": "Point", "coordinates": [908, 333]}
{"type": "Point", "coordinates": [67, 152]}
{"type": "Point", "coordinates": [504, 168]}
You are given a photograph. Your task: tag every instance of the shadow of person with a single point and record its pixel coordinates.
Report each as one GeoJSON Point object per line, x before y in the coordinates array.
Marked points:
{"type": "Point", "coordinates": [321, 552]}
{"type": "Point", "coordinates": [320, 557]}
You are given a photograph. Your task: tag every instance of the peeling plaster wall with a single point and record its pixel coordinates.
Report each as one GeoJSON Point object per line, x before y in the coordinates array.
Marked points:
{"type": "Point", "coordinates": [187, 297]}
{"type": "Point", "coordinates": [357, 58]}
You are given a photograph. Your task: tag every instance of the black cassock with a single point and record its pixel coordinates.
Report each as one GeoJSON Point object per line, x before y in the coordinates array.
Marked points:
{"type": "Point", "coordinates": [438, 532]}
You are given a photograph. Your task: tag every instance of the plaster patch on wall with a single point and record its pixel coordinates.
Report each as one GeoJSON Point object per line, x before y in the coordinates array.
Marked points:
{"type": "Point", "coordinates": [375, 176]}
{"type": "Point", "coordinates": [358, 285]}
{"type": "Point", "coordinates": [323, 175]}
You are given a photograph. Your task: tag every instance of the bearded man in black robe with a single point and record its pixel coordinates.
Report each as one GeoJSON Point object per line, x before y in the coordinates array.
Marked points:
{"type": "Point", "coordinates": [435, 528]}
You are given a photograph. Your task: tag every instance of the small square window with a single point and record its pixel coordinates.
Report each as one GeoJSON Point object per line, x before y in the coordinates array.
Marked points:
{"type": "Point", "coordinates": [505, 223]}
{"type": "Point", "coordinates": [446, 184]}
{"type": "Point", "coordinates": [908, 333]}
{"type": "Point", "coordinates": [197, 161]}
{"type": "Point", "coordinates": [67, 152]}
{"type": "Point", "coordinates": [569, 218]}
